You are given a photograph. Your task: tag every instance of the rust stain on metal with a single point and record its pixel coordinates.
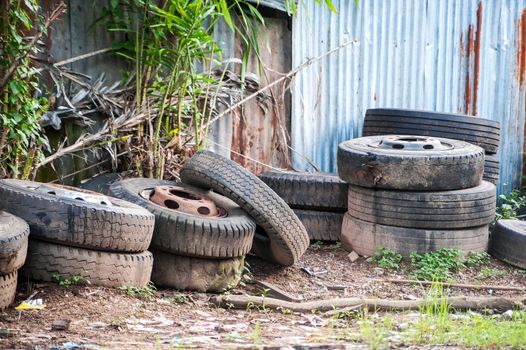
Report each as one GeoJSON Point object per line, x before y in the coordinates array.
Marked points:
{"type": "Point", "coordinates": [471, 50]}
{"type": "Point", "coordinates": [521, 50]}
{"type": "Point", "coordinates": [521, 73]}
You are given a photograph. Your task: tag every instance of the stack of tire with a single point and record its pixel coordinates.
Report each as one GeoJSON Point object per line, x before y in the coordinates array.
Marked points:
{"type": "Point", "coordinates": [478, 131]}
{"type": "Point", "coordinates": [81, 233]}
{"type": "Point", "coordinates": [319, 200]}
{"type": "Point", "coordinates": [200, 237]}
{"type": "Point", "coordinates": [14, 233]}
{"type": "Point", "coordinates": [414, 193]}
{"type": "Point", "coordinates": [206, 224]}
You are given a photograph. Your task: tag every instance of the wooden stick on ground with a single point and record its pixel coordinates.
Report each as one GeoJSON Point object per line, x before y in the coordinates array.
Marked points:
{"type": "Point", "coordinates": [459, 303]}
{"type": "Point", "coordinates": [456, 285]}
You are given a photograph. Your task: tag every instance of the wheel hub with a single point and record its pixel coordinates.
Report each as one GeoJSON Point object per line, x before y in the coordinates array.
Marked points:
{"type": "Point", "coordinates": [412, 143]}
{"type": "Point", "coordinates": [67, 192]}
{"type": "Point", "coordinates": [184, 200]}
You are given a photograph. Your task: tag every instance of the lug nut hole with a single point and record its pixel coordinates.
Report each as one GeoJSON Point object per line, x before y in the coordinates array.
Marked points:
{"type": "Point", "coordinates": [203, 210]}
{"type": "Point", "coordinates": [171, 204]}
{"type": "Point", "coordinates": [185, 195]}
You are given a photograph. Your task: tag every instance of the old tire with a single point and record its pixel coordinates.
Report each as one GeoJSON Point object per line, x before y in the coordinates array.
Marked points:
{"type": "Point", "coordinates": [374, 162]}
{"type": "Point", "coordinates": [365, 238]}
{"type": "Point", "coordinates": [226, 236]}
{"type": "Point", "coordinates": [311, 191]}
{"type": "Point", "coordinates": [425, 210]}
{"type": "Point", "coordinates": [321, 225]}
{"type": "Point", "coordinates": [507, 242]}
{"type": "Point", "coordinates": [8, 289]}
{"type": "Point", "coordinates": [14, 235]}
{"type": "Point", "coordinates": [491, 169]}
{"type": "Point", "coordinates": [108, 269]}
{"type": "Point", "coordinates": [123, 226]}
{"type": "Point", "coordinates": [282, 238]}
{"type": "Point", "coordinates": [202, 275]}
{"type": "Point", "coordinates": [478, 131]}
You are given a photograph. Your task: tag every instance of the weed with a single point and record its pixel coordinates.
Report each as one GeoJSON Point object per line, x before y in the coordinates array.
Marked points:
{"type": "Point", "coordinates": [477, 259]}
{"type": "Point", "coordinates": [256, 334]}
{"type": "Point", "coordinates": [143, 293]}
{"type": "Point", "coordinates": [375, 332]}
{"type": "Point", "coordinates": [180, 299]}
{"type": "Point", "coordinates": [438, 265]}
{"type": "Point", "coordinates": [387, 259]}
{"type": "Point", "coordinates": [490, 272]}
{"type": "Point", "coordinates": [316, 245]}
{"type": "Point", "coordinates": [510, 205]}
{"type": "Point", "coordinates": [73, 280]}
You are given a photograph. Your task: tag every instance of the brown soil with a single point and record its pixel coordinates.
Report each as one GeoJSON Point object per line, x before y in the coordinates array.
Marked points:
{"type": "Point", "coordinates": [109, 318]}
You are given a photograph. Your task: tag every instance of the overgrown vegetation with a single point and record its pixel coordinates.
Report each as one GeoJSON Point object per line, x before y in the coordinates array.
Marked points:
{"type": "Point", "coordinates": [163, 107]}
{"type": "Point", "coordinates": [21, 102]}
{"type": "Point", "coordinates": [437, 325]}
{"type": "Point", "coordinates": [430, 266]}
{"type": "Point", "coordinates": [510, 205]}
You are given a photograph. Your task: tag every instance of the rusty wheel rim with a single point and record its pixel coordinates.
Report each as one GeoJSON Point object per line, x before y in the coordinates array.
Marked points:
{"type": "Point", "coordinates": [183, 200]}
{"type": "Point", "coordinates": [71, 193]}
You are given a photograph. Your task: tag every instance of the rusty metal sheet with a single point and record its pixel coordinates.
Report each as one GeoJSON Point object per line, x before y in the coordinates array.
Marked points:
{"type": "Point", "coordinates": [464, 56]}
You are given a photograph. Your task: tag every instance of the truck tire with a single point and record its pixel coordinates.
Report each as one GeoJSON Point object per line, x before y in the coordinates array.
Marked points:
{"type": "Point", "coordinates": [365, 238]}
{"type": "Point", "coordinates": [425, 210]}
{"type": "Point", "coordinates": [410, 163]}
{"type": "Point", "coordinates": [310, 191]}
{"type": "Point", "coordinates": [14, 235]}
{"type": "Point", "coordinates": [478, 131]}
{"type": "Point", "coordinates": [76, 217]}
{"type": "Point", "coordinates": [507, 242]}
{"type": "Point", "coordinates": [197, 274]}
{"type": "Point", "coordinates": [226, 235]}
{"type": "Point", "coordinates": [321, 225]}
{"type": "Point", "coordinates": [8, 289]}
{"type": "Point", "coordinates": [46, 260]}
{"type": "Point", "coordinates": [281, 237]}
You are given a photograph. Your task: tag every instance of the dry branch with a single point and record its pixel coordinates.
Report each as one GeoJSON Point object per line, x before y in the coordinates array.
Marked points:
{"type": "Point", "coordinates": [457, 303]}
{"type": "Point", "coordinates": [287, 76]}
{"type": "Point", "coordinates": [455, 285]}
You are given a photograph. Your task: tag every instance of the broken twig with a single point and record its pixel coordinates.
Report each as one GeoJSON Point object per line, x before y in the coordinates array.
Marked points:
{"type": "Point", "coordinates": [459, 303]}
{"type": "Point", "coordinates": [455, 285]}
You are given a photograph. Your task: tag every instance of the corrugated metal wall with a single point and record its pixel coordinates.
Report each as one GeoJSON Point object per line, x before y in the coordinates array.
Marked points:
{"type": "Point", "coordinates": [450, 55]}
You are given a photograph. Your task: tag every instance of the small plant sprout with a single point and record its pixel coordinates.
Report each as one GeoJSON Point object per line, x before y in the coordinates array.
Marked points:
{"type": "Point", "coordinates": [387, 259]}
{"type": "Point", "coordinates": [138, 292]}
{"type": "Point", "coordinates": [73, 280]}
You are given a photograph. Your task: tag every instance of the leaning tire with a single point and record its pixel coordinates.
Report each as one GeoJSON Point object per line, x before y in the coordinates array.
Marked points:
{"type": "Point", "coordinates": [14, 233]}
{"type": "Point", "coordinates": [366, 238]}
{"type": "Point", "coordinates": [44, 260]}
{"type": "Point", "coordinates": [321, 225]}
{"type": "Point", "coordinates": [286, 239]}
{"type": "Point", "coordinates": [507, 243]}
{"type": "Point", "coordinates": [406, 163]}
{"type": "Point", "coordinates": [425, 210]}
{"type": "Point", "coordinates": [202, 275]}
{"type": "Point", "coordinates": [481, 132]}
{"type": "Point", "coordinates": [55, 215]}
{"type": "Point", "coordinates": [311, 191]}
{"type": "Point", "coordinates": [8, 289]}
{"type": "Point", "coordinates": [225, 236]}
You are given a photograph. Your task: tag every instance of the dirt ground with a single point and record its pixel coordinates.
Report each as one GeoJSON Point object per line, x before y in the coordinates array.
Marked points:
{"type": "Point", "coordinates": [109, 318]}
